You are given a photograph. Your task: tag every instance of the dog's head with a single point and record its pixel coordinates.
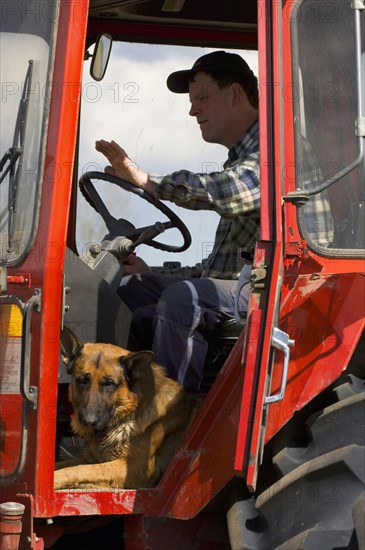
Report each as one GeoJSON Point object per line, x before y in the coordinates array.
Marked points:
{"type": "Point", "coordinates": [103, 390]}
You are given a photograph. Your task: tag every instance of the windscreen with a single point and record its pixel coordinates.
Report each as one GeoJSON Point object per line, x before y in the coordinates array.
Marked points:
{"type": "Point", "coordinates": [26, 28]}
{"type": "Point", "coordinates": [133, 106]}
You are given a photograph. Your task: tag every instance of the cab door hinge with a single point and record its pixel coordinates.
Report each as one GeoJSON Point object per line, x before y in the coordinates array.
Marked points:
{"type": "Point", "coordinates": [258, 277]}
{"type": "Point", "coordinates": [297, 249]}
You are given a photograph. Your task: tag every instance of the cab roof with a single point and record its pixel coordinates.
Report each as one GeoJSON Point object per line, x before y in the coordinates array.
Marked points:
{"type": "Point", "coordinates": [185, 22]}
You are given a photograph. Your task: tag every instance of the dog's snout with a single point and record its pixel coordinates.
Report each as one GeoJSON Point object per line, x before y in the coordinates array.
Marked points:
{"type": "Point", "coordinates": [89, 419]}
{"type": "Point", "coordinates": [94, 415]}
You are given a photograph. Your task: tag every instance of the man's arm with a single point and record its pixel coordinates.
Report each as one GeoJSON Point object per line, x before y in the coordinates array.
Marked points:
{"type": "Point", "coordinates": [230, 192]}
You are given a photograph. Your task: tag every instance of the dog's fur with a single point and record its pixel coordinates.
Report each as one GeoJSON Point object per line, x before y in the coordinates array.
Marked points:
{"type": "Point", "coordinates": [130, 414]}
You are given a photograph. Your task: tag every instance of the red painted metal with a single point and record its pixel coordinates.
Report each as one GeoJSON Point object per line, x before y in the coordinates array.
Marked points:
{"type": "Point", "coordinates": [23, 279]}
{"type": "Point", "coordinates": [319, 306]}
{"type": "Point", "coordinates": [256, 317]}
{"type": "Point", "coordinates": [272, 188]}
{"type": "Point", "coordinates": [263, 303]}
{"type": "Point", "coordinates": [326, 318]}
{"type": "Point", "coordinates": [52, 232]}
{"type": "Point", "coordinates": [327, 300]}
{"type": "Point", "coordinates": [169, 34]}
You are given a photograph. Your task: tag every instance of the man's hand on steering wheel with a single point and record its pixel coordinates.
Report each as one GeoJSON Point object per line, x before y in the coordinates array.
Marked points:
{"type": "Point", "coordinates": [122, 166]}
{"type": "Point", "coordinates": [126, 174]}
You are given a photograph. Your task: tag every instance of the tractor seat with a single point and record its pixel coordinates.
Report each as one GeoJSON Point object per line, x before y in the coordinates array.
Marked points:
{"type": "Point", "coordinates": [220, 342]}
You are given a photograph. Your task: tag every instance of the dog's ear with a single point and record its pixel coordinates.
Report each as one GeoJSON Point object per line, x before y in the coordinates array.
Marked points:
{"type": "Point", "coordinates": [71, 347]}
{"type": "Point", "coordinates": [134, 365]}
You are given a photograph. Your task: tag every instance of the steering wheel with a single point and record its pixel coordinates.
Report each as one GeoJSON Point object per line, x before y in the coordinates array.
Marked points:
{"type": "Point", "coordinates": [123, 227]}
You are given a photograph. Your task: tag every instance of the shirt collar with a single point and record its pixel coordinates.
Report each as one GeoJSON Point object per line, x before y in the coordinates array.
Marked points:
{"type": "Point", "coordinates": [244, 144]}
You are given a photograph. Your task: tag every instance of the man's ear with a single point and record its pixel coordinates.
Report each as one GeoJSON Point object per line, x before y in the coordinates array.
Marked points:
{"type": "Point", "coordinates": [238, 93]}
{"type": "Point", "coordinates": [134, 365]}
{"type": "Point", "coordinates": [71, 347]}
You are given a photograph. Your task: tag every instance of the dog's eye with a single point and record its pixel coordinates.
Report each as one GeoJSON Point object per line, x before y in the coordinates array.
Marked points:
{"type": "Point", "coordinates": [83, 380]}
{"type": "Point", "coordinates": [109, 383]}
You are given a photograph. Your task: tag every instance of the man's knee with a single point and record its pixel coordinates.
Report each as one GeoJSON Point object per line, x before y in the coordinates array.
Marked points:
{"type": "Point", "coordinates": [176, 303]}
{"type": "Point", "coordinates": [140, 290]}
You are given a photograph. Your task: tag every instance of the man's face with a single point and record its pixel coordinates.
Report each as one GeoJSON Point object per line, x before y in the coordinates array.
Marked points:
{"type": "Point", "coordinates": [212, 108]}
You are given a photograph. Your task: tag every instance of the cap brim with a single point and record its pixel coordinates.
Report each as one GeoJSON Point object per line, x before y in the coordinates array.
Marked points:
{"type": "Point", "coordinates": [178, 82]}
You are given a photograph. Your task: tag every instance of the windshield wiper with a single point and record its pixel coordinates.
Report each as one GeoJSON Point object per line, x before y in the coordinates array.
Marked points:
{"type": "Point", "coordinates": [12, 156]}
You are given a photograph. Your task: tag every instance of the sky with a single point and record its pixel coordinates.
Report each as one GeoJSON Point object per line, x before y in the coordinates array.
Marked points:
{"type": "Point", "coordinates": [133, 106]}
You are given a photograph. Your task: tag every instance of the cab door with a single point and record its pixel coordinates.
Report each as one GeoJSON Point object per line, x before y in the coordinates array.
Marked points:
{"type": "Point", "coordinates": [266, 347]}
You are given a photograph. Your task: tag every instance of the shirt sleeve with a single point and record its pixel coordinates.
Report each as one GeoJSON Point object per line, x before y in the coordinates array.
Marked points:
{"type": "Point", "coordinates": [234, 190]}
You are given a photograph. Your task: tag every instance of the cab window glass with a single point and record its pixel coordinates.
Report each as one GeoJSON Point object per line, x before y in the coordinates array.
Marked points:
{"type": "Point", "coordinates": [326, 117]}
{"type": "Point", "coordinates": [27, 29]}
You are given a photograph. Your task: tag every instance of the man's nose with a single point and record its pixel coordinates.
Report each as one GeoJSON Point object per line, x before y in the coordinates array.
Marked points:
{"type": "Point", "coordinates": [193, 110]}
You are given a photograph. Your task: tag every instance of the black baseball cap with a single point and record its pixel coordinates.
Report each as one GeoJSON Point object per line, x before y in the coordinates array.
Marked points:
{"type": "Point", "coordinates": [178, 81]}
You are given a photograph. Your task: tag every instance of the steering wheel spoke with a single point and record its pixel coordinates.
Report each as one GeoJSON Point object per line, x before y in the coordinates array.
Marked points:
{"type": "Point", "coordinates": [123, 227]}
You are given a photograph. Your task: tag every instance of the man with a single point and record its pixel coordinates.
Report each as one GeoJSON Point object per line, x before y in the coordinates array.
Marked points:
{"type": "Point", "coordinates": [182, 303]}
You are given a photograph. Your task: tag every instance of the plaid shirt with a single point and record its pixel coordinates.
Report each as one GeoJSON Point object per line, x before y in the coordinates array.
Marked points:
{"type": "Point", "coordinates": [234, 194]}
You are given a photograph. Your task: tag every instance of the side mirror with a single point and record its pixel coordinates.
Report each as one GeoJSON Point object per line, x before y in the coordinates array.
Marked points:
{"type": "Point", "coordinates": [100, 56]}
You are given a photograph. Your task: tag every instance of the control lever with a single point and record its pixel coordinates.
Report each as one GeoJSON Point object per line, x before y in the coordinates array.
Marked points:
{"type": "Point", "coordinates": [147, 235]}
{"type": "Point", "coordinates": [121, 247]}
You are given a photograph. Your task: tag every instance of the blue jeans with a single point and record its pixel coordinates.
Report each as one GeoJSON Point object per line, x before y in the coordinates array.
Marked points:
{"type": "Point", "coordinates": [170, 315]}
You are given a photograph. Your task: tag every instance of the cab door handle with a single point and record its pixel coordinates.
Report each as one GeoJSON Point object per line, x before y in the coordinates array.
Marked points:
{"type": "Point", "coordinates": [280, 340]}
{"type": "Point", "coordinates": [28, 392]}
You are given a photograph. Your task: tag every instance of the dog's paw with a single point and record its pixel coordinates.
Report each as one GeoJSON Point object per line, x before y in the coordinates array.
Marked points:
{"type": "Point", "coordinates": [62, 480]}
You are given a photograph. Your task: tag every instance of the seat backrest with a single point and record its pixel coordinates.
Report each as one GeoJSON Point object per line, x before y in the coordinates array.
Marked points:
{"type": "Point", "coordinates": [220, 342]}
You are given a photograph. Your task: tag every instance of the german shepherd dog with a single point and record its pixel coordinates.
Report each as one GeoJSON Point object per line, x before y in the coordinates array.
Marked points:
{"type": "Point", "coordinates": [129, 413]}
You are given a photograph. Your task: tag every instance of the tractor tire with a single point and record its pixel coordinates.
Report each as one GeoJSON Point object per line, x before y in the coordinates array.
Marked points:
{"type": "Point", "coordinates": [318, 463]}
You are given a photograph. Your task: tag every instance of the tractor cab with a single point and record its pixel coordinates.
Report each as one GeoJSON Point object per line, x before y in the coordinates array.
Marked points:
{"type": "Point", "coordinates": [258, 465]}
